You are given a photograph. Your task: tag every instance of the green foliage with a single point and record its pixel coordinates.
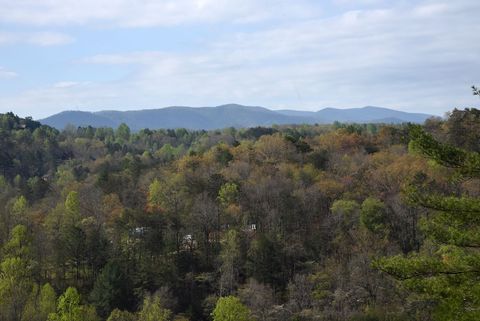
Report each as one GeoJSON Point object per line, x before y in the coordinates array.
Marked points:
{"type": "Point", "coordinates": [27, 149]}
{"type": "Point", "coordinates": [346, 213]}
{"type": "Point", "coordinates": [123, 133]}
{"type": "Point", "coordinates": [379, 315]}
{"type": "Point", "coordinates": [155, 194]}
{"type": "Point", "coordinates": [228, 194]}
{"type": "Point", "coordinates": [448, 273]}
{"type": "Point", "coordinates": [373, 215]}
{"type": "Point", "coordinates": [274, 215]}
{"type": "Point", "coordinates": [69, 308]}
{"type": "Point", "coordinates": [118, 315]}
{"type": "Point", "coordinates": [264, 263]}
{"type": "Point", "coordinates": [230, 256]}
{"type": "Point", "coordinates": [466, 163]}
{"type": "Point", "coordinates": [46, 301]}
{"type": "Point", "coordinates": [19, 208]}
{"type": "Point", "coordinates": [152, 310]}
{"type": "Point", "coordinates": [464, 129]}
{"type": "Point", "coordinates": [168, 153]}
{"type": "Point", "coordinates": [230, 309]}
{"type": "Point", "coordinates": [110, 290]}
{"type": "Point", "coordinates": [16, 274]}
{"type": "Point", "coordinates": [3, 182]}
{"type": "Point", "coordinates": [346, 208]}
{"type": "Point", "coordinates": [222, 154]}
{"type": "Point", "coordinates": [72, 207]}
{"type": "Point", "coordinates": [16, 283]}
{"type": "Point", "coordinates": [41, 303]}
{"type": "Point", "coordinates": [19, 244]}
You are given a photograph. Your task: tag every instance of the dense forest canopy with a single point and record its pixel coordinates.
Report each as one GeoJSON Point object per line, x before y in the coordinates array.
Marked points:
{"type": "Point", "coordinates": [327, 222]}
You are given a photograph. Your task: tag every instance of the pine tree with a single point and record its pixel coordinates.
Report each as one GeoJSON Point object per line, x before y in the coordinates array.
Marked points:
{"type": "Point", "coordinates": [447, 269]}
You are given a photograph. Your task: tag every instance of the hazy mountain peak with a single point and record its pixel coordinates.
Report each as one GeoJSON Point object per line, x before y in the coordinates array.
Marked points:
{"type": "Point", "coordinates": [228, 115]}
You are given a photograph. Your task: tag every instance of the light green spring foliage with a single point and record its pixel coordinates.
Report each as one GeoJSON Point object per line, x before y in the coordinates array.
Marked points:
{"type": "Point", "coordinates": [155, 194]}
{"type": "Point", "coordinates": [16, 274]}
{"type": "Point", "coordinates": [17, 181]}
{"type": "Point", "coordinates": [231, 309]}
{"type": "Point", "coordinates": [46, 301]}
{"type": "Point", "coordinates": [41, 303]}
{"type": "Point", "coordinates": [168, 153]}
{"type": "Point", "coordinates": [228, 194]}
{"type": "Point", "coordinates": [152, 310]}
{"type": "Point", "coordinates": [20, 207]}
{"type": "Point", "coordinates": [64, 176]}
{"type": "Point", "coordinates": [123, 133]}
{"type": "Point", "coordinates": [89, 313]}
{"type": "Point", "coordinates": [346, 208]}
{"type": "Point", "coordinates": [346, 212]}
{"type": "Point", "coordinates": [449, 274]}
{"type": "Point", "coordinates": [19, 244]}
{"type": "Point", "coordinates": [373, 215]}
{"type": "Point", "coordinates": [15, 285]}
{"type": "Point", "coordinates": [230, 256]}
{"type": "Point", "coordinates": [118, 315]}
{"type": "Point", "coordinates": [72, 207]}
{"type": "Point", "coordinates": [69, 308]}
{"type": "Point", "coordinates": [166, 195]}
{"type": "Point", "coordinates": [3, 182]}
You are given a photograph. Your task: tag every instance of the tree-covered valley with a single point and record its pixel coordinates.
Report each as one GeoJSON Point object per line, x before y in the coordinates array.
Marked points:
{"type": "Point", "coordinates": [352, 222]}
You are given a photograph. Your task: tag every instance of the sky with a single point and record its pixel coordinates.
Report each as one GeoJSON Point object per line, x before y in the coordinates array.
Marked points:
{"type": "Point", "coordinates": [415, 56]}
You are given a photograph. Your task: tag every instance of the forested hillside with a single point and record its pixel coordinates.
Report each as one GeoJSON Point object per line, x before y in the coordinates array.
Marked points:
{"type": "Point", "coordinates": [327, 222]}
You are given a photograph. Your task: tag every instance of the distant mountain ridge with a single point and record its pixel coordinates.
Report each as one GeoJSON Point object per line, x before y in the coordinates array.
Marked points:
{"type": "Point", "coordinates": [231, 115]}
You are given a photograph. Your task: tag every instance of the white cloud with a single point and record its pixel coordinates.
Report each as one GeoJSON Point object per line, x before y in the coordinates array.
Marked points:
{"type": "Point", "coordinates": [145, 13]}
{"type": "Point", "coordinates": [48, 39]}
{"type": "Point", "coordinates": [431, 9]}
{"type": "Point", "coordinates": [35, 38]}
{"type": "Point", "coordinates": [358, 2]}
{"type": "Point", "coordinates": [143, 57]}
{"type": "Point", "coordinates": [393, 57]}
{"type": "Point", "coordinates": [7, 74]}
{"type": "Point", "coordinates": [67, 84]}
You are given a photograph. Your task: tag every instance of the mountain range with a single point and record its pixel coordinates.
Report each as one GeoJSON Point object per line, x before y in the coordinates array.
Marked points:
{"type": "Point", "coordinates": [231, 115]}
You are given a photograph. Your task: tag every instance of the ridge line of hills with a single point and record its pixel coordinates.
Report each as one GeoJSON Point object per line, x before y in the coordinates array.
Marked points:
{"type": "Point", "coordinates": [231, 115]}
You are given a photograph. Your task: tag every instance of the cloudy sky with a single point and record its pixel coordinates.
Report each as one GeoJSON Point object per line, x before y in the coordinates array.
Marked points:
{"type": "Point", "coordinates": [91, 55]}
